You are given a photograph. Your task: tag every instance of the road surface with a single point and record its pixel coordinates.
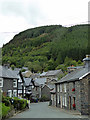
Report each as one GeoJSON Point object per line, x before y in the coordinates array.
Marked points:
{"type": "Point", "coordinates": [42, 110]}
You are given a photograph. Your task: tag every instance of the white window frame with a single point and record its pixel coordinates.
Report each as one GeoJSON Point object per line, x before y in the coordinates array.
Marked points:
{"type": "Point", "coordinates": [60, 87]}
{"type": "Point", "coordinates": [65, 98]}
{"type": "Point", "coordinates": [10, 91]}
{"type": "Point", "coordinates": [65, 89]}
{"type": "Point", "coordinates": [63, 101]}
{"type": "Point", "coordinates": [1, 82]}
{"type": "Point", "coordinates": [15, 83]}
{"type": "Point", "coordinates": [57, 88]}
{"type": "Point", "coordinates": [58, 99]}
{"type": "Point", "coordinates": [14, 93]}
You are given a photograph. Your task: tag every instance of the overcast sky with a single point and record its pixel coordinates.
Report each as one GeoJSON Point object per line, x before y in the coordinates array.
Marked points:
{"type": "Point", "coordinates": [19, 15]}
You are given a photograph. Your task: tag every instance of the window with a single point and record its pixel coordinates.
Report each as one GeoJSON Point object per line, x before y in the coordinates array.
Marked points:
{"type": "Point", "coordinates": [60, 88]}
{"type": "Point", "coordinates": [9, 93]}
{"type": "Point", "coordinates": [65, 90]}
{"type": "Point", "coordinates": [1, 82]}
{"type": "Point", "coordinates": [58, 99]}
{"type": "Point", "coordinates": [14, 93]}
{"type": "Point", "coordinates": [14, 83]}
{"type": "Point", "coordinates": [57, 88]}
{"type": "Point", "coordinates": [73, 84]}
{"type": "Point", "coordinates": [65, 101]}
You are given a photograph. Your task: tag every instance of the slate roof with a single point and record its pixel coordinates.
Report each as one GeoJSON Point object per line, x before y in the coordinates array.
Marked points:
{"type": "Point", "coordinates": [77, 67]}
{"type": "Point", "coordinates": [53, 72]}
{"type": "Point", "coordinates": [7, 73]}
{"type": "Point", "coordinates": [40, 81]}
{"type": "Point", "coordinates": [27, 81]}
{"type": "Point", "coordinates": [43, 74]}
{"type": "Point", "coordinates": [75, 75]}
{"type": "Point", "coordinates": [49, 86]}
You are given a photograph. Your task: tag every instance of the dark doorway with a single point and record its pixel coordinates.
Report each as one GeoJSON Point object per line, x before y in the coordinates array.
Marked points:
{"type": "Point", "coordinates": [70, 102]}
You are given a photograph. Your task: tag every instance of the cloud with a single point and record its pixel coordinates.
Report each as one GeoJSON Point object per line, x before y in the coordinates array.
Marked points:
{"type": "Point", "coordinates": [18, 15]}
{"type": "Point", "coordinates": [28, 10]}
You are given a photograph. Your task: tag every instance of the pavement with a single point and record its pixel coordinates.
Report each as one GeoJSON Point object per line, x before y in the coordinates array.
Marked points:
{"type": "Point", "coordinates": [42, 110]}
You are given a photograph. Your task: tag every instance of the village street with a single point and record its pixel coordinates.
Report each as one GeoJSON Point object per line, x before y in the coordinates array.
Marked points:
{"type": "Point", "coordinates": [42, 110]}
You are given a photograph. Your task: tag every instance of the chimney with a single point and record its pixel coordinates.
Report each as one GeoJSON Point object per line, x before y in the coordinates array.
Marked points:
{"type": "Point", "coordinates": [87, 62]}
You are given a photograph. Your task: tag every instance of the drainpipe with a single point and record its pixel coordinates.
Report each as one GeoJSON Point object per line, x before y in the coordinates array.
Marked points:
{"type": "Point", "coordinates": [56, 93]}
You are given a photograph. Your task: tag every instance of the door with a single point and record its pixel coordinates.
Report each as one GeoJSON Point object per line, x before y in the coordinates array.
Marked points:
{"type": "Point", "coordinates": [69, 102]}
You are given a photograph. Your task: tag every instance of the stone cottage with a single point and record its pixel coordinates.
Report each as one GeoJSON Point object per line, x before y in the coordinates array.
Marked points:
{"type": "Point", "coordinates": [8, 82]}
{"type": "Point", "coordinates": [73, 90]}
{"type": "Point", "coordinates": [45, 90]}
{"type": "Point", "coordinates": [53, 75]}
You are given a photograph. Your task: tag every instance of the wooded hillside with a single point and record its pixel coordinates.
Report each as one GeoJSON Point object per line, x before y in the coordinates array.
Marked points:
{"type": "Point", "coordinates": [46, 47]}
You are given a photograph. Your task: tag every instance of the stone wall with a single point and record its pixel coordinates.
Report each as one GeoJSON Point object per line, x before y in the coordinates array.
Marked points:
{"type": "Point", "coordinates": [45, 91]}
{"type": "Point", "coordinates": [85, 86]}
{"type": "Point", "coordinates": [78, 96]}
{"type": "Point", "coordinates": [7, 84]}
{"type": "Point", "coordinates": [81, 95]}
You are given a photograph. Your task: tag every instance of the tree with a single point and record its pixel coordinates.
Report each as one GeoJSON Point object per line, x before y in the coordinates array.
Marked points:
{"type": "Point", "coordinates": [62, 67]}
{"type": "Point", "coordinates": [12, 67]}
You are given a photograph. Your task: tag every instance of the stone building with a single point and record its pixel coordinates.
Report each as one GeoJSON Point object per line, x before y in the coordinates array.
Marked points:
{"type": "Point", "coordinates": [8, 82]}
{"type": "Point", "coordinates": [73, 90]}
{"type": "Point", "coordinates": [45, 91]}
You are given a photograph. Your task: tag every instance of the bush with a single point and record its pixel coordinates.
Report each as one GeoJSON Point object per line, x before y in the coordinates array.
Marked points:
{"type": "Point", "coordinates": [19, 104]}
{"type": "Point", "coordinates": [6, 101]}
{"type": "Point", "coordinates": [5, 110]}
{"type": "Point", "coordinates": [23, 104]}
{"type": "Point", "coordinates": [15, 102]}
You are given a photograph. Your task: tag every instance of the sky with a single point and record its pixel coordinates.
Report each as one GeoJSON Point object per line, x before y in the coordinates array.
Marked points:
{"type": "Point", "coordinates": [19, 15]}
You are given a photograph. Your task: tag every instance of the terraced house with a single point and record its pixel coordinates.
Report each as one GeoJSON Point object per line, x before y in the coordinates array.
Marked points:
{"type": "Point", "coordinates": [73, 90]}
{"type": "Point", "coordinates": [8, 82]}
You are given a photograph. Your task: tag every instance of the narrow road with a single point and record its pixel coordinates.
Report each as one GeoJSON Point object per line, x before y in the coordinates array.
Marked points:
{"type": "Point", "coordinates": [42, 110]}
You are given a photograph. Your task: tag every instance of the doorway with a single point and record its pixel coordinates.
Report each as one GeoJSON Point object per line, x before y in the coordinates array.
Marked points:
{"type": "Point", "coordinates": [70, 102]}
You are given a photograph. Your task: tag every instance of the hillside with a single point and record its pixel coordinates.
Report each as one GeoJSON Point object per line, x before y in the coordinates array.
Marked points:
{"type": "Point", "coordinates": [46, 47]}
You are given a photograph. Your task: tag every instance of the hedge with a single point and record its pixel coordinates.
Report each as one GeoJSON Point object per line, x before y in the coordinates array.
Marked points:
{"type": "Point", "coordinates": [8, 105]}
{"type": "Point", "coordinates": [6, 101]}
{"type": "Point", "coordinates": [5, 110]}
{"type": "Point", "coordinates": [19, 104]}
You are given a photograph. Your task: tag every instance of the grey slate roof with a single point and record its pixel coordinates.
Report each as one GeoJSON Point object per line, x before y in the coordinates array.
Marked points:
{"type": "Point", "coordinates": [53, 72]}
{"type": "Point", "coordinates": [7, 73]}
{"type": "Point", "coordinates": [74, 75]}
{"type": "Point", "coordinates": [49, 86]}
{"type": "Point", "coordinates": [40, 81]}
{"type": "Point", "coordinates": [43, 74]}
{"type": "Point", "coordinates": [77, 67]}
{"type": "Point", "coordinates": [27, 81]}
